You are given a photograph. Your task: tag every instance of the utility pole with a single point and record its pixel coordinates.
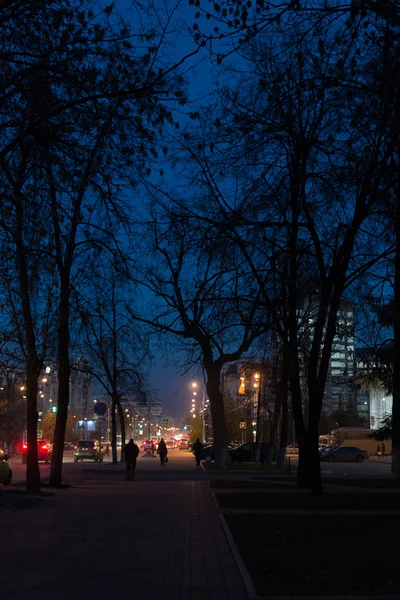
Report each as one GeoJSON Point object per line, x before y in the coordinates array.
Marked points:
{"type": "Point", "coordinates": [149, 438]}
{"type": "Point", "coordinates": [203, 428]}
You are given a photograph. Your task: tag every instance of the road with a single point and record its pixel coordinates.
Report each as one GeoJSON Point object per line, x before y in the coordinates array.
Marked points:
{"type": "Point", "coordinates": [181, 466]}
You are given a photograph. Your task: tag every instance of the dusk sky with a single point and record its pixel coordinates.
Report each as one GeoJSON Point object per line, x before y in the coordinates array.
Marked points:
{"type": "Point", "coordinates": [165, 381]}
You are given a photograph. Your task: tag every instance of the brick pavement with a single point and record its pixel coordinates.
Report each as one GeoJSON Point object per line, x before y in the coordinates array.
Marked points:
{"type": "Point", "coordinates": [108, 538]}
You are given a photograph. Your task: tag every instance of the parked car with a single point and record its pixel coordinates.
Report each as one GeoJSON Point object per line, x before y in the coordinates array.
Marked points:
{"type": "Point", "coordinates": [5, 469]}
{"type": "Point", "coordinates": [88, 450]}
{"type": "Point", "coordinates": [246, 452]}
{"type": "Point", "coordinates": [208, 452]}
{"type": "Point", "coordinates": [344, 454]}
{"type": "Point", "coordinates": [323, 451]}
{"type": "Point", "coordinates": [45, 450]}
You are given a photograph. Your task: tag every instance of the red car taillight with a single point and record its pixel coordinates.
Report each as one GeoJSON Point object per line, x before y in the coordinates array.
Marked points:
{"type": "Point", "coordinates": [44, 447]}
{"type": "Point", "coordinates": [24, 446]}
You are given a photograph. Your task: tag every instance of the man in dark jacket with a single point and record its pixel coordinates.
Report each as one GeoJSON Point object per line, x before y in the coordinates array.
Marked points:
{"type": "Point", "coordinates": [198, 451]}
{"type": "Point", "coordinates": [131, 452]}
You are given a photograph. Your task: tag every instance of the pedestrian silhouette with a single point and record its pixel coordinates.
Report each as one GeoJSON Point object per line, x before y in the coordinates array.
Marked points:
{"type": "Point", "coordinates": [378, 450]}
{"type": "Point", "coordinates": [383, 449]}
{"type": "Point", "coordinates": [162, 451]}
{"type": "Point", "coordinates": [198, 451]}
{"type": "Point", "coordinates": [131, 452]}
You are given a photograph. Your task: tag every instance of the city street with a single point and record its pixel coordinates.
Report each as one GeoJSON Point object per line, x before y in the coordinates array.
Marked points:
{"type": "Point", "coordinates": [158, 537]}
{"type": "Point", "coordinates": [181, 465]}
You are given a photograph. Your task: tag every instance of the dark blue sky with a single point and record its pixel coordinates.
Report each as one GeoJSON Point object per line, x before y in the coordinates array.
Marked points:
{"type": "Point", "coordinates": [167, 382]}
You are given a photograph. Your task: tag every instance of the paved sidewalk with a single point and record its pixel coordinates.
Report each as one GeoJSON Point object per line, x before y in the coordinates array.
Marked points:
{"type": "Point", "coordinates": [109, 538]}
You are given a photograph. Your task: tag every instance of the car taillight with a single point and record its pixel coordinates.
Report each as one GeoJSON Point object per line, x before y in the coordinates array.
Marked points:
{"type": "Point", "coordinates": [44, 447]}
{"type": "Point", "coordinates": [25, 446]}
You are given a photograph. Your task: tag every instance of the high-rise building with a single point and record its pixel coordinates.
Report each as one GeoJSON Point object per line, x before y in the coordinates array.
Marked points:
{"type": "Point", "coordinates": [80, 389]}
{"type": "Point", "coordinates": [372, 394]}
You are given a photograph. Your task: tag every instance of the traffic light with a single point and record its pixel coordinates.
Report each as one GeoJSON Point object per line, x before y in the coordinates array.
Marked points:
{"type": "Point", "coordinates": [54, 409]}
{"type": "Point", "coordinates": [254, 431]}
{"type": "Point", "coordinates": [185, 427]}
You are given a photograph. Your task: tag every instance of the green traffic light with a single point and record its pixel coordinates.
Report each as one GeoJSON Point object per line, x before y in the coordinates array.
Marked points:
{"type": "Point", "coordinates": [254, 432]}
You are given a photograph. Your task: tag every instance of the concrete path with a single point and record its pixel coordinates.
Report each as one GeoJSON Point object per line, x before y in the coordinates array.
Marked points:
{"type": "Point", "coordinates": [157, 538]}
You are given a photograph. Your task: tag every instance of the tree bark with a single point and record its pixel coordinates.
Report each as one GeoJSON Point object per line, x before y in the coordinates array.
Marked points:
{"type": "Point", "coordinates": [396, 343]}
{"type": "Point", "coordinates": [283, 392]}
{"type": "Point", "coordinates": [277, 408]}
{"type": "Point", "coordinates": [114, 430]}
{"type": "Point", "coordinates": [33, 364]}
{"type": "Point", "coordinates": [63, 384]}
{"type": "Point", "coordinates": [122, 425]}
{"type": "Point", "coordinates": [32, 466]}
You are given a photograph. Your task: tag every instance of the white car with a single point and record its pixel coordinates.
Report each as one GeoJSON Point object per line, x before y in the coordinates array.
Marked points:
{"type": "Point", "coordinates": [5, 469]}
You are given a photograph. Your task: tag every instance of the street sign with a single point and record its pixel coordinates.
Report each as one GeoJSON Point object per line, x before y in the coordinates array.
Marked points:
{"type": "Point", "coordinates": [156, 409]}
{"type": "Point", "coordinates": [164, 421]}
{"type": "Point", "coordinates": [39, 434]}
{"type": "Point", "coordinates": [242, 425]}
{"type": "Point", "coordinates": [100, 408]}
{"type": "Point", "coordinates": [85, 426]}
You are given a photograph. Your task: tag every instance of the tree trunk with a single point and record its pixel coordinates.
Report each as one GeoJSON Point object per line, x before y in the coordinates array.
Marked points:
{"type": "Point", "coordinates": [396, 343]}
{"type": "Point", "coordinates": [257, 456]}
{"type": "Point", "coordinates": [114, 431]}
{"type": "Point", "coordinates": [277, 413]}
{"type": "Point", "coordinates": [218, 417]}
{"type": "Point", "coordinates": [33, 364]}
{"type": "Point", "coordinates": [63, 384]}
{"type": "Point", "coordinates": [122, 425]}
{"type": "Point", "coordinates": [32, 466]}
{"type": "Point", "coordinates": [309, 472]}
{"type": "Point", "coordinates": [281, 458]}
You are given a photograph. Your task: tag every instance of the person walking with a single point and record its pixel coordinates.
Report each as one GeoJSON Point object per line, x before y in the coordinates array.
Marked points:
{"type": "Point", "coordinates": [383, 449]}
{"type": "Point", "coordinates": [131, 452]}
{"type": "Point", "coordinates": [162, 451]}
{"type": "Point", "coordinates": [378, 450]}
{"type": "Point", "coordinates": [198, 451]}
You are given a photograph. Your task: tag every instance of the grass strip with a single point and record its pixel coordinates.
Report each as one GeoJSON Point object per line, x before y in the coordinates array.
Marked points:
{"type": "Point", "coordinates": [320, 556]}
{"type": "Point", "coordinates": [240, 467]}
{"type": "Point", "coordinates": [373, 483]}
{"type": "Point", "coordinates": [234, 484]}
{"type": "Point", "coordinates": [305, 500]}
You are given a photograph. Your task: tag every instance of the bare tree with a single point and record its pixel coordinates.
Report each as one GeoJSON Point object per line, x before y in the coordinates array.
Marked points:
{"type": "Point", "coordinates": [115, 346]}
{"type": "Point", "coordinates": [293, 173]}
{"type": "Point", "coordinates": [204, 299]}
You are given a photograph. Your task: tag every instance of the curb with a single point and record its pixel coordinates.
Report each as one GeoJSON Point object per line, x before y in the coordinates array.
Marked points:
{"type": "Point", "coordinates": [244, 574]}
